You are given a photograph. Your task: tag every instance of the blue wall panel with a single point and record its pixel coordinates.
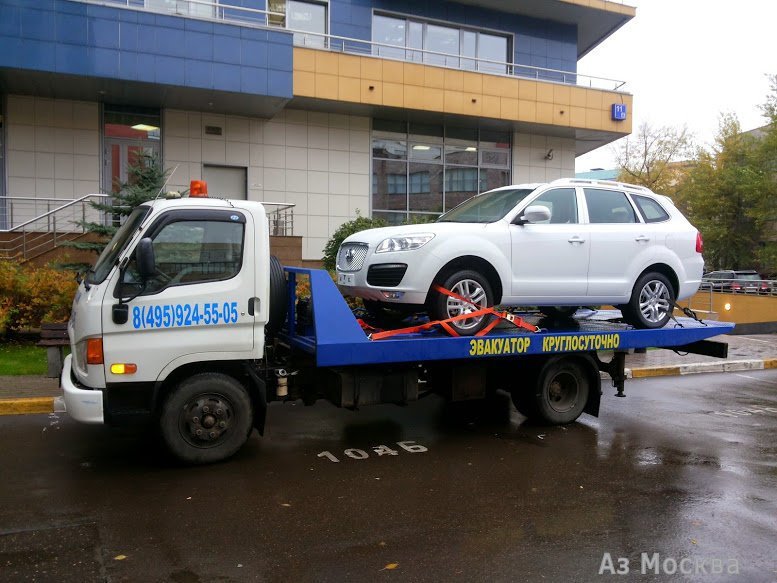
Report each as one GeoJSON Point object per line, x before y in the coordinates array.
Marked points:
{"type": "Point", "coordinates": [60, 36]}
{"type": "Point", "coordinates": [535, 41]}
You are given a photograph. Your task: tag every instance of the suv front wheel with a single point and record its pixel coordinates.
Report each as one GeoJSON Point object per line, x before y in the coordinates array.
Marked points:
{"type": "Point", "coordinates": [652, 302]}
{"type": "Point", "coordinates": [470, 285]}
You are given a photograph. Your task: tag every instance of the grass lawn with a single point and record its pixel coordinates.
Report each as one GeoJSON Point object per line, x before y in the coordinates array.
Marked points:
{"type": "Point", "coordinates": [22, 359]}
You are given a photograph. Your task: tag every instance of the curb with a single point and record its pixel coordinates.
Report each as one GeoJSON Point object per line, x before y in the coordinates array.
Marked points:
{"type": "Point", "coordinates": [37, 405]}
{"type": "Point", "coordinates": [702, 367]}
{"type": "Point", "coordinates": [27, 406]}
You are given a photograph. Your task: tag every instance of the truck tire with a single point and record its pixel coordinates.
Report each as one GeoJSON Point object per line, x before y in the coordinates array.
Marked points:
{"type": "Point", "coordinates": [468, 284]}
{"type": "Point", "coordinates": [278, 299]}
{"type": "Point", "coordinates": [206, 418]}
{"type": "Point", "coordinates": [557, 394]}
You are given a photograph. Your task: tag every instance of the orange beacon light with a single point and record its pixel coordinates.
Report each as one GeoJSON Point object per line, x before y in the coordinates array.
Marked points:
{"type": "Point", "coordinates": [198, 189]}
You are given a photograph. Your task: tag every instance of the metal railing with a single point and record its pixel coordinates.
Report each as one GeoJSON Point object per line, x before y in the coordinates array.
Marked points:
{"type": "Point", "coordinates": [280, 217]}
{"type": "Point", "coordinates": [32, 233]}
{"type": "Point", "coordinates": [252, 17]}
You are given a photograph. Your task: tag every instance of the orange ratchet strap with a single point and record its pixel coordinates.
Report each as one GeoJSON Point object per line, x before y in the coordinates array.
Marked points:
{"type": "Point", "coordinates": [445, 324]}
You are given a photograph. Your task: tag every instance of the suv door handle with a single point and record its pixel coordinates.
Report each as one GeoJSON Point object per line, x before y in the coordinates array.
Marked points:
{"type": "Point", "coordinates": [642, 238]}
{"type": "Point", "coordinates": [576, 239]}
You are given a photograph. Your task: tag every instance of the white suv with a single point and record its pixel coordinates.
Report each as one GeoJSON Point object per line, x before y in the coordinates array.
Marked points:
{"type": "Point", "coordinates": [559, 246]}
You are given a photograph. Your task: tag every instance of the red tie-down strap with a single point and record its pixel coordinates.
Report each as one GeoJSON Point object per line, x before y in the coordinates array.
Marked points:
{"type": "Point", "coordinates": [445, 324]}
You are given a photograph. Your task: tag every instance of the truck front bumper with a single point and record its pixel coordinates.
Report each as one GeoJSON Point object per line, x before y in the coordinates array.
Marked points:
{"type": "Point", "coordinates": [84, 405]}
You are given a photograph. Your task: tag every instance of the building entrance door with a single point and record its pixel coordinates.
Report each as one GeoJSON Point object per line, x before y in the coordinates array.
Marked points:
{"type": "Point", "coordinates": [118, 155]}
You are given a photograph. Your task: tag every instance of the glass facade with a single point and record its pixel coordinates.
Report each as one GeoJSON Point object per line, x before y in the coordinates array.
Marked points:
{"type": "Point", "coordinates": [447, 46]}
{"type": "Point", "coordinates": [420, 171]}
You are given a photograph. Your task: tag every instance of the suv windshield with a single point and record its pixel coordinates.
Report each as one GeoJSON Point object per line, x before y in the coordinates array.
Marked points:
{"type": "Point", "coordinates": [488, 207]}
{"type": "Point", "coordinates": [112, 251]}
{"type": "Point", "coordinates": [749, 276]}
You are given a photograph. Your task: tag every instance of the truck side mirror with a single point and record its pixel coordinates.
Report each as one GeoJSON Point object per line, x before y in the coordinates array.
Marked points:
{"type": "Point", "coordinates": [144, 257]}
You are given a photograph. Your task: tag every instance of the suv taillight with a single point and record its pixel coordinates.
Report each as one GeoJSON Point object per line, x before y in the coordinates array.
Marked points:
{"type": "Point", "coordinates": [699, 243]}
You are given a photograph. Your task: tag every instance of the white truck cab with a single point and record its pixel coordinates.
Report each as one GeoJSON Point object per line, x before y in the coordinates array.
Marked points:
{"type": "Point", "coordinates": [184, 282]}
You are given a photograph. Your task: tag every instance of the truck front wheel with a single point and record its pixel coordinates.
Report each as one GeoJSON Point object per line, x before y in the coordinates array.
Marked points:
{"type": "Point", "coordinates": [206, 418]}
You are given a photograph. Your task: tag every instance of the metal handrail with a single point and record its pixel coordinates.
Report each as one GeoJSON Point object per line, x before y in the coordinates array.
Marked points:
{"type": "Point", "coordinates": [40, 234]}
{"type": "Point", "coordinates": [226, 13]}
{"type": "Point", "coordinates": [52, 212]}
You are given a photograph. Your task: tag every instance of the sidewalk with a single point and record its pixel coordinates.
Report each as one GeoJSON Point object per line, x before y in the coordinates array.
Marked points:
{"type": "Point", "coordinates": [33, 394]}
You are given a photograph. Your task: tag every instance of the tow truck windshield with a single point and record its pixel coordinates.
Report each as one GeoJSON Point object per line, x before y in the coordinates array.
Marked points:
{"type": "Point", "coordinates": [110, 254]}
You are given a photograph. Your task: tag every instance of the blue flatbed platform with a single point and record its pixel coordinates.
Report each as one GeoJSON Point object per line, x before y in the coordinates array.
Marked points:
{"type": "Point", "coordinates": [336, 338]}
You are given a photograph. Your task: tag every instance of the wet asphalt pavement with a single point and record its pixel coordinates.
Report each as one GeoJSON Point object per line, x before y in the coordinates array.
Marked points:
{"type": "Point", "coordinates": [685, 467]}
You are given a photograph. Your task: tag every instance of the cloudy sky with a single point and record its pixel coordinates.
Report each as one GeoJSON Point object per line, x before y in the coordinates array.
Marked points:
{"type": "Point", "coordinates": [686, 61]}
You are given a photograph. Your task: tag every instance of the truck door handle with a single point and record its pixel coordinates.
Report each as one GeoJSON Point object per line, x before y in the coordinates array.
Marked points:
{"type": "Point", "coordinates": [642, 239]}
{"type": "Point", "coordinates": [576, 239]}
{"type": "Point", "coordinates": [253, 304]}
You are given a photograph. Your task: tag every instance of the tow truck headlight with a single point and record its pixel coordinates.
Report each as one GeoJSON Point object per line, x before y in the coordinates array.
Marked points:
{"type": "Point", "coordinates": [404, 242]}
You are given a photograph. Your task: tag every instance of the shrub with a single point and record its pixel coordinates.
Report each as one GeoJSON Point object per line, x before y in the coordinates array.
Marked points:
{"type": "Point", "coordinates": [360, 223]}
{"type": "Point", "coordinates": [30, 296]}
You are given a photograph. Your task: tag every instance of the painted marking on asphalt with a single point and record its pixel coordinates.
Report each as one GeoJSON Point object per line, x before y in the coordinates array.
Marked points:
{"type": "Point", "coordinates": [747, 411]}
{"type": "Point", "coordinates": [759, 340]}
{"type": "Point", "coordinates": [379, 450]}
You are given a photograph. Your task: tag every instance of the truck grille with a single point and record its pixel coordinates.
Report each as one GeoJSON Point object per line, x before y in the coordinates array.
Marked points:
{"type": "Point", "coordinates": [386, 274]}
{"type": "Point", "coordinates": [351, 256]}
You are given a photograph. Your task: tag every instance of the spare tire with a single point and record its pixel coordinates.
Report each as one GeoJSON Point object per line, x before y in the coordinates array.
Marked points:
{"type": "Point", "coordinates": [278, 300]}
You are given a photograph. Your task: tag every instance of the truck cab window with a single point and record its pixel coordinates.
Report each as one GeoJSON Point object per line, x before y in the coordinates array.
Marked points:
{"type": "Point", "coordinates": [193, 251]}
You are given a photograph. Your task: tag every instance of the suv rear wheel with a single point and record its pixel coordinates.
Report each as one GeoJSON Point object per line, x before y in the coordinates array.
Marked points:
{"type": "Point", "coordinates": [652, 302]}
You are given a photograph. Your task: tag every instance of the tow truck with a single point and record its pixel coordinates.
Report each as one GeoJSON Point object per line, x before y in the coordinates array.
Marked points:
{"type": "Point", "coordinates": [186, 322]}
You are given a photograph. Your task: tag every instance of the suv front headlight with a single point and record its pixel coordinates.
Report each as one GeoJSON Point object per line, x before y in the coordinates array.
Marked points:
{"type": "Point", "coordinates": [404, 242]}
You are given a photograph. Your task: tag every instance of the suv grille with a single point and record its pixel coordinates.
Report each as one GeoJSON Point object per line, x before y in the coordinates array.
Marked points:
{"type": "Point", "coordinates": [351, 256]}
{"type": "Point", "coordinates": [386, 274]}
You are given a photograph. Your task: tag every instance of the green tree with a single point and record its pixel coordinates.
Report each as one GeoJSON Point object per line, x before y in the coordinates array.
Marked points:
{"type": "Point", "coordinates": [653, 157]}
{"type": "Point", "coordinates": [727, 196]}
{"type": "Point", "coordinates": [347, 229]}
{"type": "Point", "coordinates": [145, 179]}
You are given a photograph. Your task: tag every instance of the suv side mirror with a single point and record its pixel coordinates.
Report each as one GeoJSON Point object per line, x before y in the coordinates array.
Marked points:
{"type": "Point", "coordinates": [144, 257]}
{"type": "Point", "coordinates": [534, 214]}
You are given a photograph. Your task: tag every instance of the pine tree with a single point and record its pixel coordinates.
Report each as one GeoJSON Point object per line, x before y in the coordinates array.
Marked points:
{"type": "Point", "coordinates": [145, 178]}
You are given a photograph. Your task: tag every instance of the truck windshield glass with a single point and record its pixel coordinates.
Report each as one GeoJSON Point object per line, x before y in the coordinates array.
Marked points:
{"type": "Point", "coordinates": [112, 251]}
{"type": "Point", "coordinates": [488, 207]}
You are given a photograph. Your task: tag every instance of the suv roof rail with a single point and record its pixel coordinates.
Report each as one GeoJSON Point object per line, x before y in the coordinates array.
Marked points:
{"type": "Point", "coordinates": [610, 183]}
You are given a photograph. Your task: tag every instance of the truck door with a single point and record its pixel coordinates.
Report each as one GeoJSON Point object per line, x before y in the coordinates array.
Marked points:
{"type": "Point", "coordinates": [196, 306]}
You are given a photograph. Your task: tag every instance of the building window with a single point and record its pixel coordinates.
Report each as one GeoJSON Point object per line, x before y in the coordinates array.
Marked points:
{"type": "Point", "coordinates": [301, 17]}
{"type": "Point", "coordinates": [202, 8]}
{"type": "Point", "coordinates": [420, 170]}
{"type": "Point", "coordinates": [448, 46]}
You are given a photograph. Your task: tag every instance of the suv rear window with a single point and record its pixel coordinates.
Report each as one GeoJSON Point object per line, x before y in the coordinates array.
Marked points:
{"type": "Point", "coordinates": [651, 211]}
{"type": "Point", "coordinates": [608, 206]}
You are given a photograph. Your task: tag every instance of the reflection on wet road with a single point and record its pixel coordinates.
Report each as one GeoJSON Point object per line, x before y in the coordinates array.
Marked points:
{"type": "Point", "coordinates": [677, 479]}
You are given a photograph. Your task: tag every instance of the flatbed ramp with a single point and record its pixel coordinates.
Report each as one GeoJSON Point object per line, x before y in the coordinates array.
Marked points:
{"type": "Point", "coordinates": [335, 338]}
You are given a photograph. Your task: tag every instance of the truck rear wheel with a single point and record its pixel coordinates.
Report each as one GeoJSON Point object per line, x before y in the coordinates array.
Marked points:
{"type": "Point", "coordinates": [206, 419]}
{"type": "Point", "coordinates": [557, 394]}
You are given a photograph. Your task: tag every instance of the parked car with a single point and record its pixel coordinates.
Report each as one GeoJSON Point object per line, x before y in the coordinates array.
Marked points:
{"type": "Point", "coordinates": [736, 281]}
{"type": "Point", "coordinates": [561, 245]}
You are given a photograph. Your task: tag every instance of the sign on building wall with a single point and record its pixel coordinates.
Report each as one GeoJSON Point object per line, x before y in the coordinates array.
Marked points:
{"type": "Point", "coordinates": [618, 111]}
